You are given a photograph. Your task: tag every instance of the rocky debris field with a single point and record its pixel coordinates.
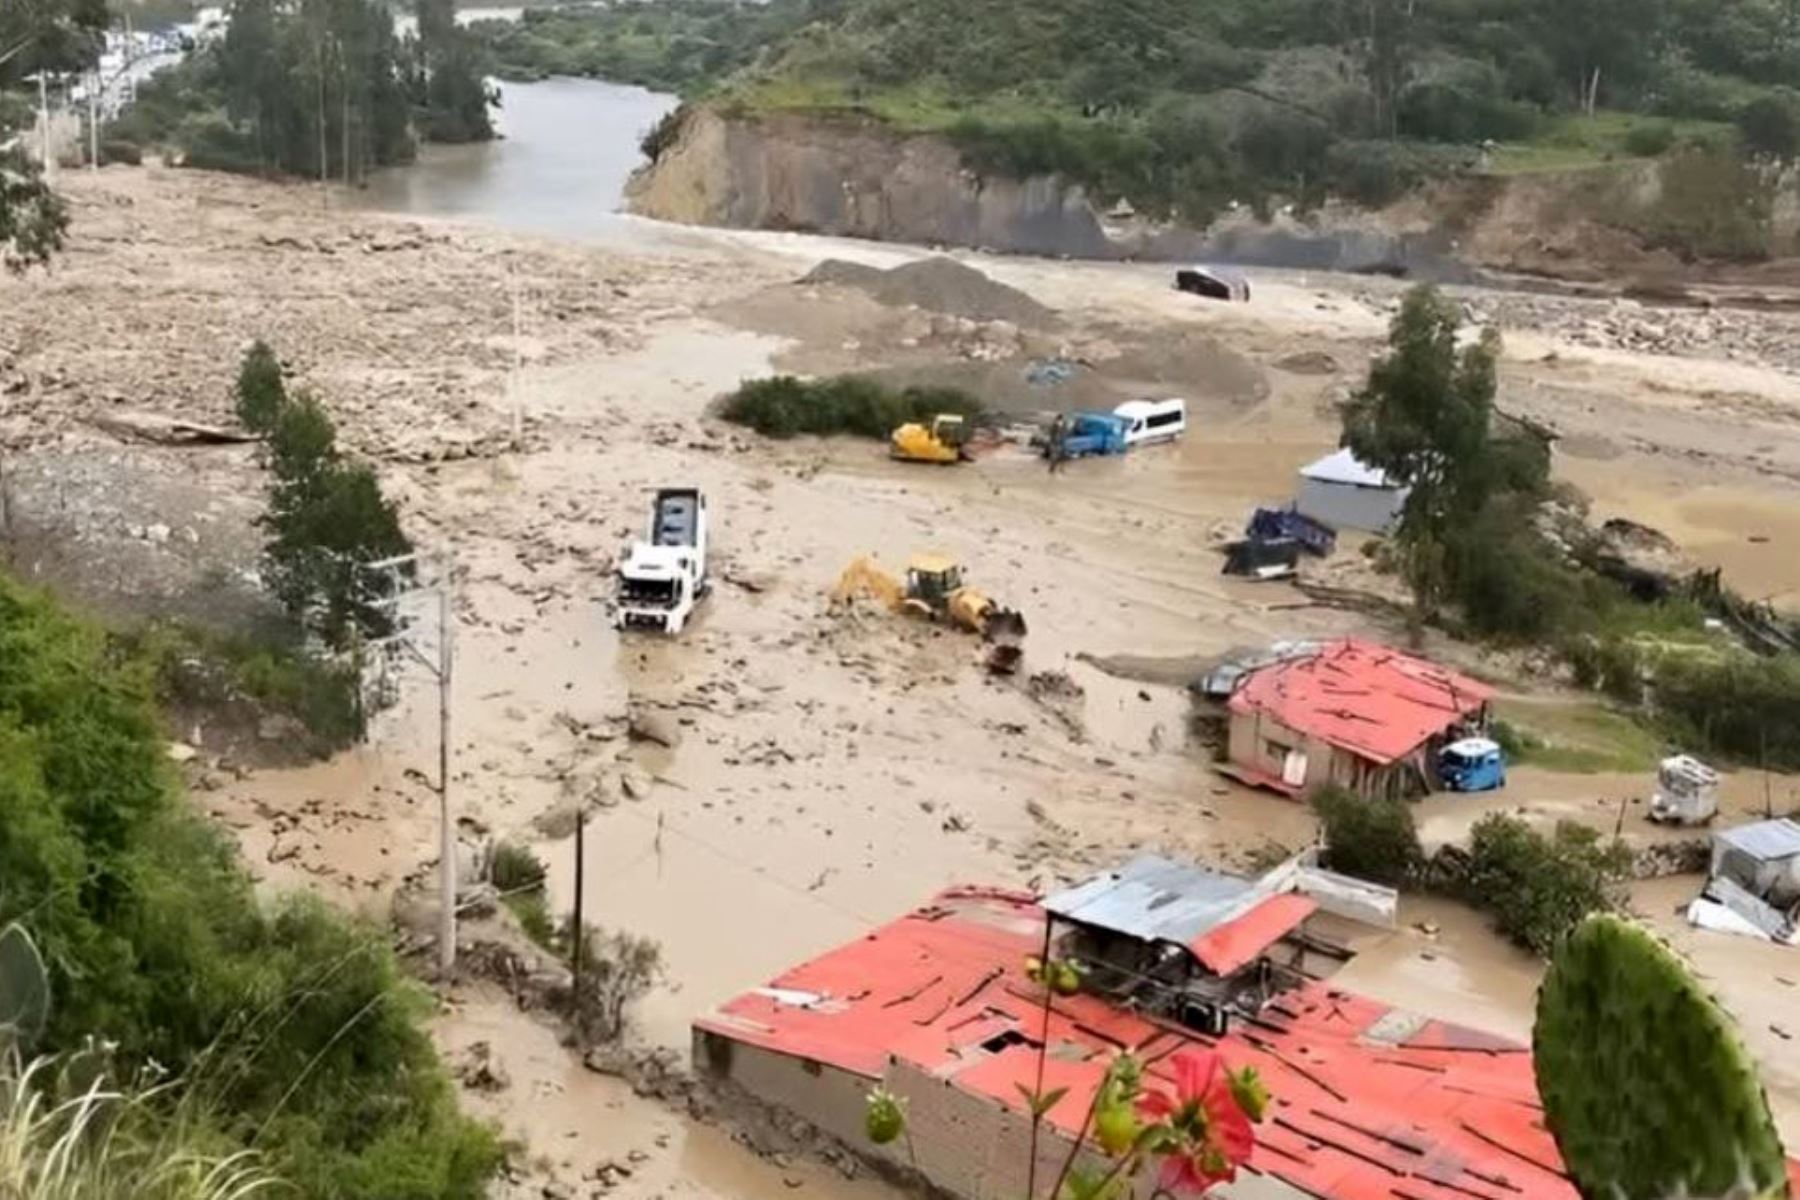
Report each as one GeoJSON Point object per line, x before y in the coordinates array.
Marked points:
{"type": "Point", "coordinates": [404, 330]}
{"type": "Point", "coordinates": [1770, 339]}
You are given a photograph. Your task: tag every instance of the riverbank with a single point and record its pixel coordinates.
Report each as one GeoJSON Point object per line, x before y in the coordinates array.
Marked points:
{"type": "Point", "coordinates": [829, 770]}
{"type": "Point", "coordinates": [841, 174]}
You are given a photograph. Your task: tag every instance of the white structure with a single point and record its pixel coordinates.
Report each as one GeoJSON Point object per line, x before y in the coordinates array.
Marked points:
{"type": "Point", "coordinates": [1687, 792]}
{"type": "Point", "coordinates": [1754, 885]}
{"type": "Point", "coordinates": [1345, 493]}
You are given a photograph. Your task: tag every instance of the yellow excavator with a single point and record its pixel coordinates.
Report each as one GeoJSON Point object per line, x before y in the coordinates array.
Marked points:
{"type": "Point", "coordinates": [945, 440]}
{"type": "Point", "coordinates": [934, 589]}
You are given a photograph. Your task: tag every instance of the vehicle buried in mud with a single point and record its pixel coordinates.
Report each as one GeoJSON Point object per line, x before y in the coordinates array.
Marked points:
{"type": "Point", "coordinates": [664, 576]}
{"type": "Point", "coordinates": [1212, 283]}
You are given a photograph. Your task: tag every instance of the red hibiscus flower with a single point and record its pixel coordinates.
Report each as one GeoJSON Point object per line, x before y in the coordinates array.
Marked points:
{"type": "Point", "coordinates": [1208, 1135]}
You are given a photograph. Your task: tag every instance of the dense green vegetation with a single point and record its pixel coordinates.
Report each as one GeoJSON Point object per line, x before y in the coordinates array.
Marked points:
{"type": "Point", "coordinates": [41, 35]}
{"type": "Point", "coordinates": [292, 1028]}
{"type": "Point", "coordinates": [783, 406]}
{"type": "Point", "coordinates": [1368, 837]}
{"type": "Point", "coordinates": [1478, 555]}
{"type": "Point", "coordinates": [1539, 888]}
{"type": "Point", "coordinates": [1183, 108]}
{"type": "Point", "coordinates": [322, 88]}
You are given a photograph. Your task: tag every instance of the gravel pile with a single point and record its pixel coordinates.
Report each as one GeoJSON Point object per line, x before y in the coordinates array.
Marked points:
{"type": "Point", "coordinates": [939, 285]}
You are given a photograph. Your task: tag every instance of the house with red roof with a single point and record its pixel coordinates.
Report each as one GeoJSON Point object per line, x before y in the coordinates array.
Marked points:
{"type": "Point", "coordinates": [1357, 714]}
{"type": "Point", "coordinates": [1369, 1102]}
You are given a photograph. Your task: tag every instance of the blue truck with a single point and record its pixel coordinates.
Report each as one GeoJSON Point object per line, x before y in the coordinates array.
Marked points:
{"type": "Point", "coordinates": [1081, 434]}
{"type": "Point", "coordinates": [1279, 524]}
{"type": "Point", "coordinates": [1474, 764]}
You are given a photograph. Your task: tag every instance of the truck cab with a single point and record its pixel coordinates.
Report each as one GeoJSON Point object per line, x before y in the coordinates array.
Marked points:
{"type": "Point", "coordinates": [663, 576]}
{"type": "Point", "coordinates": [1473, 764]}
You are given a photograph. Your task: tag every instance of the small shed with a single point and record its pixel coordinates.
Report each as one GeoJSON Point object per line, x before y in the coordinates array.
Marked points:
{"type": "Point", "coordinates": [1343, 492]}
{"type": "Point", "coordinates": [1763, 858]}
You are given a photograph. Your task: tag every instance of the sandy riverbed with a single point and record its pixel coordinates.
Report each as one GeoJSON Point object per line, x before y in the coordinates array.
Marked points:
{"type": "Point", "coordinates": [832, 770]}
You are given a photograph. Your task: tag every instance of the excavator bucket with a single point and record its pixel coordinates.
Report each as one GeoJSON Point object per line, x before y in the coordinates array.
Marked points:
{"type": "Point", "coordinates": [1003, 630]}
{"type": "Point", "coordinates": [1005, 626]}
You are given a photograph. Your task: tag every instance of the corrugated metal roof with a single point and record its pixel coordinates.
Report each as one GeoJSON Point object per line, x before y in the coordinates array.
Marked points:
{"type": "Point", "coordinates": [1341, 466]}
{"type": "Point", "coordinates": [1367, 1107]}
{"type": "Point", "coordinates": [1363, 696]}
{"type": "Point", "coordinates": [1764, 840]}
{"type": "Point", "coordinates": [1153, 899]}
{"type": "Point", "coordinates": [1225, 921]}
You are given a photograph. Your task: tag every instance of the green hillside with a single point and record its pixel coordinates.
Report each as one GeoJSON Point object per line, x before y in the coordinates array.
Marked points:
{"type": "Point", "coordinates": [1184, 105]}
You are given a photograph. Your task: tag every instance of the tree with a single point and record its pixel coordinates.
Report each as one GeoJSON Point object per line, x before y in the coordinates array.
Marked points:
{"type": "Point", "coordinates": [261, 396]}
{"type": "Point", "coordinates": [1369, 837]}
{"type": "Point", "coordinates": [1424, 418]}
{"type": "Point", "coordinates": [1540, 888]}
{"type": "Point", "coordinates": [450, 91]}
{"type": "Point", "coordinates": [327, 520]}
{"type": "Point", "coordinates": [1646, 1086]}
{"type": "Point", "coordinates": [32, 217]}
{"type": "Point", "coordinates": [38, 35]}
{"type": "Point", "coordinates": [1770, 125]}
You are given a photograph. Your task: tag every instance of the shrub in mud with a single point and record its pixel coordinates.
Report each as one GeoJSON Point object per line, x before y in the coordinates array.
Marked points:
{"type": "Point", "coordinates": [1371, 838]}
{"type": "Point", "coordinates": [784, 406]}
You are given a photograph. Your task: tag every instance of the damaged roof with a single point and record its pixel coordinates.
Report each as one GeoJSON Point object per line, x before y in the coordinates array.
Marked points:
{"type": "Point", "coordinates": [1765, 841]}
{"type": "Point", "coordinates": [1225, 921]}
{"type": "Point", "coordinates": [1371, 1102]}
{"type": "Point", "coordinates": [1373, 700]}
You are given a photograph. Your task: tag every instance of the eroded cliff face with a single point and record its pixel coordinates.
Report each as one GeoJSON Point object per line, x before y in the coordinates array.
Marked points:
{"type": "Point", "coordinates": [858, 179]}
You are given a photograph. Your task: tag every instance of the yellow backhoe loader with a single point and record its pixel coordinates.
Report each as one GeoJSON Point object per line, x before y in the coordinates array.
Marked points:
{"type": "Point", "coordinates": [945, 440]}
{"type": "Point", "coordinates": [934, 589]}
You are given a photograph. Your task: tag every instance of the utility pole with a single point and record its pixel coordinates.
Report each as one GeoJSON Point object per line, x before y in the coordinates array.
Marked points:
{"type": "Point", "coordinates": [44, 124]}
{"type": "Point", "coordinates": [580, 928]}
{"type": "Point", "coordinates": [518, 415]}
{"type": "Point", "coordinates": [94, 121]}
{"type": "Point", "coordinates": [446, 828]}
{"type": "Point", "coordinates": [391, 596]}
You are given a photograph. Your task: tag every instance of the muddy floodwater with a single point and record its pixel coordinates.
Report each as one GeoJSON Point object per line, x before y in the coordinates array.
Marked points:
{"type": "Point", "coordinates": [559, 166]}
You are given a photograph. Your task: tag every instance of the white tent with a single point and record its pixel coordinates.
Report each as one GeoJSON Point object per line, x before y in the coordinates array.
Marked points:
{"type": "Point", "coordinates": [1343, 492]}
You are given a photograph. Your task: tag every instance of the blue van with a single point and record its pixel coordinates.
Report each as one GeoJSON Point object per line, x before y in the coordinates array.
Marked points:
{"type": "Point", "coordinates": [1474, 764]}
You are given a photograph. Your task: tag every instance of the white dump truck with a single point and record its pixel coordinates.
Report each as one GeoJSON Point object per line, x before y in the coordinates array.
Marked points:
{"type": "Point", "coordinates": [664, 576]}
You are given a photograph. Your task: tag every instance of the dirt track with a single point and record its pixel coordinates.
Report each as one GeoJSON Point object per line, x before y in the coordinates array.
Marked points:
{"type": "Point", "coordinates": [832, 769]}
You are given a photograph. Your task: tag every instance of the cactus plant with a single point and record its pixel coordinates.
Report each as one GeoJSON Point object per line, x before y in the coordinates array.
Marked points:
{"type": "Point", "coordinates": [1646, 1087]}
{"type": "Point", "coordinates": [24, 986]}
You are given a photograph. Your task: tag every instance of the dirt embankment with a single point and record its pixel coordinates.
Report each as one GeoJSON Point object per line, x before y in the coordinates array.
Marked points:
{"type": "Point", "coordinates": [855, 178]}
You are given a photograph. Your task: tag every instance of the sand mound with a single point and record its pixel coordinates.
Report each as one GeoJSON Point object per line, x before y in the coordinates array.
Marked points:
{"type": "Point", "coordinates": [940, 285]}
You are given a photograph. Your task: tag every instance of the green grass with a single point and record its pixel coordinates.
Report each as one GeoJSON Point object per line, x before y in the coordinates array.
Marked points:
{"type": "Point", "coordinates": [1578, 738]}
{"type": "Point", "coordinates": [1572, 143]}
{"type": "Point", "coordinates": [196, 667]}
{"type": "Point", "coordinates": [921, 107]}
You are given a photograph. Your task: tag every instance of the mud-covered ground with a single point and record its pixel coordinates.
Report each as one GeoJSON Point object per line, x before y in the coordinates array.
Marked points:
{"type": "Point", "coordinates": [829, 769]}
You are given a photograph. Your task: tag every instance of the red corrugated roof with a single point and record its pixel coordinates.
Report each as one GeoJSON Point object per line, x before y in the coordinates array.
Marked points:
{"type": "Point", "coordinates": [1368, 698]}
{"type": "Point", "coordinates": [1224, 948]}
{"type": "Point", "coordinates": [1370, 1103]}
